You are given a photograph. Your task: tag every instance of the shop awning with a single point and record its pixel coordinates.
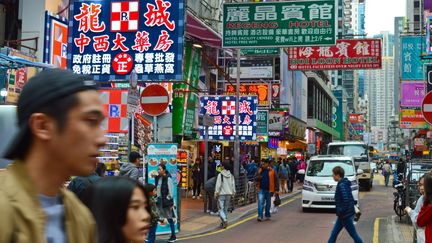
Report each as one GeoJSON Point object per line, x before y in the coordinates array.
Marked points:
{"type": "Point", "coordinates": [13, 62]}
{"type": "Point", "coordinates": [199, 30]}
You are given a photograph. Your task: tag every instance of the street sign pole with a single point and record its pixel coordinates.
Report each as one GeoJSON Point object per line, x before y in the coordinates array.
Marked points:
{"type": "Point", "coordinates": [237, 119]}
{"type": "Point", "coordinates": [155, 129]}
{"type": "Point", "coordinates": [205, 166]}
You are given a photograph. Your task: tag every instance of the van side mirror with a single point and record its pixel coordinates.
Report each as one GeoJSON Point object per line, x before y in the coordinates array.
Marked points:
{"type": "Point", "coordinates": [360, 171]}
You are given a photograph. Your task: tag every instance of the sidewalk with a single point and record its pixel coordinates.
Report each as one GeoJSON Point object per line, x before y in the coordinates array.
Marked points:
{"type": "Point", "coordinates": [397, 231]}
{"type": "Point", "coordinates": [195, 222]}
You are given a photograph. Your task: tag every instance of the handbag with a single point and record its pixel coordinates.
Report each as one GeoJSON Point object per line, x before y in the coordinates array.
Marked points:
{"type": "Point", "coordinates": [277, 200]}
{"type": "Point", "coordinates": [357, 213]}
{"type": "Point", "coordinates": [167, 203]}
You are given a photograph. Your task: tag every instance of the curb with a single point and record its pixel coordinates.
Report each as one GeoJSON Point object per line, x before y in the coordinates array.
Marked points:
{"type": "Point", "coordinates": [233, 220]}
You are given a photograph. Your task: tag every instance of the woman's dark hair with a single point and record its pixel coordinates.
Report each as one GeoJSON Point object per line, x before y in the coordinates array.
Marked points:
{"type": "Point", "coordinates": [163, 167]}
{"type": "Point", "coordinates": [101, 169]}
{"type": "Point", "coordinates": [109, 203]}
{"type": "Point", "coordinates": [227, 166]}
{"type": "Point", "coordinates": [149, 188]}
{"type": "Point", "coordinates": [428, 188]}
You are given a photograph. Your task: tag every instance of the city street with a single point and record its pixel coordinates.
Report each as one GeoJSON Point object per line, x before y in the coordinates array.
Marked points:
{"type": "Point", "coordinates": [290, 224]}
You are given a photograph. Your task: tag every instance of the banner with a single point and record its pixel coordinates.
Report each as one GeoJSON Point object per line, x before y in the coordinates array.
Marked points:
{"type": "Point", "coordinates": [260, 51]}
{"type": "Point", "coordinates": [252, 69]}
{"type": "Point", "coordinates": [428, 35]}
{"type": "Point", "coordinates": [115, 109]}
{"type": "Point", "coordinates": [55, 45]}
{"type": "Point", "coordinates": [346, 54]}
{"type": "Point", "coordinates": [411, 65]}
{"type": "Point", "coordinates": [222, 109]}
{"type": "Point", "coordinates": [109, 38]}
{"type": "Point", "coordinates": [356, 118]}
{"type": "Point", "coordinates": [262, 123]}
{"type": "Point", "coordinates": [412, 93]}
{"type": "Point", "coordinates": [164, 154]}
{"type": "Point", "coordinates": [337, 116]}
{"type": "Point", "coordinates": [259, 90]}
{"type": "Point", "coordinates": [279, 24]}
{"type": "Point", "coordinates": [412, 119]}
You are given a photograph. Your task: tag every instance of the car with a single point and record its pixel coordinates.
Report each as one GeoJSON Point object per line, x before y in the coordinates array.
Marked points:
{"type": "Point", "coordinates": [319, 187]}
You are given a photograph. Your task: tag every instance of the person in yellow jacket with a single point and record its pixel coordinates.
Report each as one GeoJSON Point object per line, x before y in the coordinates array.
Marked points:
{"type": "Point", "coordinates": [268, 184]}
{"type": "Point", "coordinates": [59, 136]}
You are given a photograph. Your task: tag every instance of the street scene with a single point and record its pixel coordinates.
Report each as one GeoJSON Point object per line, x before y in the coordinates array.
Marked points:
{"type": "Point", "coordinates": [215, 120]}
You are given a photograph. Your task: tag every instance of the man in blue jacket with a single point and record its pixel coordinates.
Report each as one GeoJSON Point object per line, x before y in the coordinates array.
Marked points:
{"type": "Point", "coordinates": [344, 207]}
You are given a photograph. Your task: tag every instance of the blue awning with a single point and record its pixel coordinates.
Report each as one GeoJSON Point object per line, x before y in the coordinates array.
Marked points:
{"type": "Point", "coordinates": [13, 62]}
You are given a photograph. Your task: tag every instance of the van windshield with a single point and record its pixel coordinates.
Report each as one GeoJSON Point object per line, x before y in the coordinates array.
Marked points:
{"type": "Point", "coordinates": [348, 150]}
{"type": "Point", "coordinates": [324, 168]}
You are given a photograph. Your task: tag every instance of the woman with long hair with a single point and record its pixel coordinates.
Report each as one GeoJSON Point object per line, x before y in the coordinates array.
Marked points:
{"type": "Point", "coordinates": [165, 199]}
{"type": "Point", "coordinates": [121, 209]}
{"type": "Point", "coordinates": [424, 219]}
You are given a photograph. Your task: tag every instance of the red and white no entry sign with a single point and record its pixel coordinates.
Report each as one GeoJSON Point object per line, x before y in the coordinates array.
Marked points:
{"type": "Point", "coordinates": [427, 107]}
{"type": "Point", "coordinates": [154, 100]}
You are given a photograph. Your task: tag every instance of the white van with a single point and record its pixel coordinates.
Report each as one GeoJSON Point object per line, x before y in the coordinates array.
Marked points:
{"type": "Point", "coordinates": [319, 187]}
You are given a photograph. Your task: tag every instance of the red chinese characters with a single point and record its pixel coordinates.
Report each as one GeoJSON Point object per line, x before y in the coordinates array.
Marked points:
{"type": "Point", "coordinates": [118, 43]}
{"type": "Point", "coordinates": [101, 43]}
{"type": "Point", "coordinates": [89, 18]}
{"type": "Point", "coordinates": [82, 42]}
{"type": "Point", "coordinates": [226, 120]}
{"type": "Point", "coordinates": [245, 107]}
{"type": "Point", "coordinates": [158, 15]}
{"type": "Point", "coordinates": [211, 108]}
{"type": "Point", "coordinates": [141, 41]}
{"type": "Point", "coordinates": [164, 43]}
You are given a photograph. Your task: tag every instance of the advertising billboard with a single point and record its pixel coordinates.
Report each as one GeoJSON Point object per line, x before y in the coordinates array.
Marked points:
{"type": "Point", "coordinates": [115, 109]}
{"type": "Point", "coordinates": [259, 90]}
{"type": "Point", "coordinates": [222, 109]}
{"type": "Point", "coordinates": [346, 54]}
{"type": "Point", "coordinates": [412, 119]}
{"type": "Point", "coordinates": [411, 65]}
{"type": "Point", "coordinates": [412, 93]}
{"type": "Point", "coordinates": [356, 118]}
{"type": "Point", "coordinates": [55, 45]}
{"type": "Point", "coordinates": [279, 24]}
{"type": "Point", "coordinates": [109, 38]}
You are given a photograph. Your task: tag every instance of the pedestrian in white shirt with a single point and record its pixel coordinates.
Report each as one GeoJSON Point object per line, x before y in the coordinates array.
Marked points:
{"type": "Point", "coordinates": [225, 189]}
{"type": "Point", "coordinates": [413, 213]}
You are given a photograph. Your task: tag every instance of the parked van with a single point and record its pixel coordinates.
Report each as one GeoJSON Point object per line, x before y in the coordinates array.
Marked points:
{"type": "Point", "coordinates": [319, 187]}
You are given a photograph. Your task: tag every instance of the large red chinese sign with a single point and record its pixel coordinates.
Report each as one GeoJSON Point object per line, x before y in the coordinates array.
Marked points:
{"type": "Point", "coordinates": [260, 90]}
{"type": "Point", "coordinates": [346, 54]}
{"type": "Point", "coordinates": [110, 38]}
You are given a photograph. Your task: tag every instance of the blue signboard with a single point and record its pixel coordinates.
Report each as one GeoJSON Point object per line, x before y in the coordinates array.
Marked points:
{"type": "Point", "coordinates": [164, 154]}
{"type": "Point", "coordinates": [110, 38]}
{"type": "Point", "coordinates": [222, 109]}
{"type": "Point", "coordinates": [412, 65]}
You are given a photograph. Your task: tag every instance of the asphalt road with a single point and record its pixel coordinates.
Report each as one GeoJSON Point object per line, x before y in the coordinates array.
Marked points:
{"type": "Point", "coordinates": [290, 224]}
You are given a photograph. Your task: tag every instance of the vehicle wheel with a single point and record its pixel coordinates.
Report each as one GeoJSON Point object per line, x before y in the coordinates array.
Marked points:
{"type": "Point", "coordinates": [305, 210]}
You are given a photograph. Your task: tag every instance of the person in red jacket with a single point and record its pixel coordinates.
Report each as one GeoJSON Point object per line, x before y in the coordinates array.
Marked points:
{"type": "Point", "coordinates": [424, 218]}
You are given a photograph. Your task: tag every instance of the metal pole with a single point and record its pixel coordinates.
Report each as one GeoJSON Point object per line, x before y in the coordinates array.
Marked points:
{"type": "Point", "coordinates": [205, 166]}
{"type": "Point", "coordinates": [155, 129]}
{"type": "Point", "coordinates": [237, 117]}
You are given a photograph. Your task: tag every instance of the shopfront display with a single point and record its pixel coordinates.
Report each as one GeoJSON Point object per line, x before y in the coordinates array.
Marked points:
{"type": "Point", "coordinates": [114, 152]}
{"type": "Point", "coordinates": [183, 162]}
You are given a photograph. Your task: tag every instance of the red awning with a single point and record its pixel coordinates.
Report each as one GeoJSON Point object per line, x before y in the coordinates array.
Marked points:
{"type": "Point", "coordinates": [199, 30]}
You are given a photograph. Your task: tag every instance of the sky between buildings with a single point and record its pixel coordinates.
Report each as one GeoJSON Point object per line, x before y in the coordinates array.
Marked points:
{"type": "Point", "coordinates": [380, 15]}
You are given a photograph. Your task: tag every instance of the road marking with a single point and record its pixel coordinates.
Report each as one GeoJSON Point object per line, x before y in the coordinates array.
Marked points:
{"type": "Point", "coordinates": [376, 230]}
{"type": "Point", "coordinates": [235, 224]}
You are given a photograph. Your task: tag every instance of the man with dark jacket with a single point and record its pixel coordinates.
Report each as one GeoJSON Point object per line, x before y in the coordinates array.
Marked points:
{"type": "Point", "coordinates": [344, 207]}
{"type": "Point", "coordinates": [210, 187]}
{"type": "Point", "coordinates": [130, 169]}
{"type": "Point", "coordinates": [268, 184]}
{"type": "Point", "coordinates": [293, 171]}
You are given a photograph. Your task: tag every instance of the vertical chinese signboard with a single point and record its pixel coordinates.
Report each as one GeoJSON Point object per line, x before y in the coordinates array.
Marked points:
{"type": "Point", "coordinates": [262, 126]}
{"type": "Point", "coordinates": [346, 54]}
{"type": "Point", "coordinates": [412, 65]}
{"type": "Point", "coordinates": [109, 38]}
{"type": "Point", "coordinates": [115, 108]}
{"type": "Point", "coordinates": [56, 35]}
{"type": "Point", "coordinates": [163, 154]}
{"type": "Point", "coordinates": [278, 24]}
{"type": "Point", "coordinates": [222, 109]}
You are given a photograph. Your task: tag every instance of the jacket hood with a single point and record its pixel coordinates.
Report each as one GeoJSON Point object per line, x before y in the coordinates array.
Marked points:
{"type": "Point", "coordinates": [226, 173]}
{"type": "Point", "coordinates": [127, 167]}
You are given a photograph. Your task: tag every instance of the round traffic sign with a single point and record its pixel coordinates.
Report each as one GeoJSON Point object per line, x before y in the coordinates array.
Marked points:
{"type": "Point", "coordinates": [427, 107]}
{"type": "Point", "coordinates": [154, 100]}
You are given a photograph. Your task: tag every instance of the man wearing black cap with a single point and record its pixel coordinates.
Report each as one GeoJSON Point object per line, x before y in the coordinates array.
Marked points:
{"type": "Point", "coordinates": [59, 118]}
{"type": "Point", "coordinates": [131, 169]}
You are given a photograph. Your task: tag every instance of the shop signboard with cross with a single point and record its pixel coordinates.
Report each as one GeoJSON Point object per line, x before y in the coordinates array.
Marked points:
{"type": "Point", "coordinates": [110, 38]}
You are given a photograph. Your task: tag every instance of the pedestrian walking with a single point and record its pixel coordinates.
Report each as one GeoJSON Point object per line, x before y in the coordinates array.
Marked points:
{"type": "Point", "coordinates": [268, 184]}
{"type": "Point", "coordinates": [152, 193]}
{"type": "Point", "coordinates": [225, 190]}
{"type": "Point", "coordinates": [301, 170]}
{"type": "Point", "coordinates": [283, 177]}
{"type": "Point", "coordinates": [165, 199]}
{"type": "Point", "coordinates": [387, 171]}
{"type": "Point", "coordinates": [197, 176]}
{"type": "Point", "coordinates": [344, 207]}
{"type": "Point", "coordinates": [59, 117]}
{"type": "Point", "coordinates": [293, 171]}
{"type": "Point", "coordinates": [121, 208]}
{"type": "Point", "coordinates": [210, 187]}
{"type": "Point", "coordinates": [80, 184]}
{"type": "Point", "coordinates": [413, 213]}
{"type": "Point", "coordinates": [130, 169]}
{"type": "Point", "coordinates": [424, 218]}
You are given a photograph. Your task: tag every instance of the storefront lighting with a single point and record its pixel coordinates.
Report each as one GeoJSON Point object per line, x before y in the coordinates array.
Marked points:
{"type": "Point", "coordinates": [3, 92]}
{"type": "Point", "coordinates": [197, 46]}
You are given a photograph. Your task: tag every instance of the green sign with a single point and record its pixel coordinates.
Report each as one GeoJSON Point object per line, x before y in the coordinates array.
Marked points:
{"type": "Point", "coordinates": [279, 24]}
{"type": "Point", "coordinates": [182, 121]}
{"type": "Point", "coordinates": [260, 51]}
{"type": "Point", "coordinates": [262, 123]}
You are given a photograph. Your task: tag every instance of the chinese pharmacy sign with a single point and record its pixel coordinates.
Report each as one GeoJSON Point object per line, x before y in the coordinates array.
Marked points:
{"type": "Point", "coordinates": [109, 38]}
{"type": "Point", "coordinates": [279, 24]}
{"type": "Point", "coordinates": [260, 90]}
{"type": "Point", "coordinates": [222, 109]}
{"type": "Point", "coordinates": [346, 54]}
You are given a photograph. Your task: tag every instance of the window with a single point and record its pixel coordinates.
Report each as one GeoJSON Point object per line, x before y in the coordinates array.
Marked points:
{"type": "Point", "coordinates": [324, 168]}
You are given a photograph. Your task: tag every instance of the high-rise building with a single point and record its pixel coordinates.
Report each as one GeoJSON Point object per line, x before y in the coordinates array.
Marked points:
{"type": "Point", "coordinates": [379, 84]}
{"type": "Point", "coordinates": [414, 14]}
